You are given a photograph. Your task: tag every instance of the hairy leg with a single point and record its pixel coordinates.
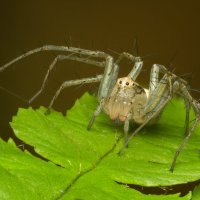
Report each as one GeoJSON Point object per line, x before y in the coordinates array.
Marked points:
{"type": "Point", "coordinates": [196, 107]}
{"type": "Point", "coordinates": [151, 116]}
{"type": "Point", "coordinates": [53, 64]}
{"type": "Point", "coordinates": [126, 126]}
{"type": "Point", "coordinates": [137, 66]}
{"type": "Point", "coordinates": [154, 78]}
{"type": "Point", "coordinates": [95, 114]}
{"type": "Point", "coordinates": [73, 83]}
{"type": "Point", "coordinates": [107, 80]}
{"type": "Point", "coordinates": [97, 54]}
{"type": "Point", "coordinates": [108, 84]}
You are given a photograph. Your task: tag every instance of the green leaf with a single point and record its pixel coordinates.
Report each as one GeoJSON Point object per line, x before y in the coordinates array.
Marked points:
{"type": "Point", "coordinates": [196, 193]}
{"type": "Point", "coordinates": [24, 176]}
{"type": "Point", "coordinates": [85, 164]}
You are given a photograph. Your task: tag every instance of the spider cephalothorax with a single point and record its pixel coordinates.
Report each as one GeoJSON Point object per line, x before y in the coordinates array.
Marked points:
{"type": "Point", "coordinates": [123, 99]}
{"type": "Point", "coordinates": [126, 101]}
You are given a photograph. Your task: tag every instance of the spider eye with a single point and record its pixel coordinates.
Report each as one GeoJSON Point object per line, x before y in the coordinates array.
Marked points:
{"type": "Point", "coordinates": [120, 82]}
{"type": "Point", "coordinates": [127, 83]}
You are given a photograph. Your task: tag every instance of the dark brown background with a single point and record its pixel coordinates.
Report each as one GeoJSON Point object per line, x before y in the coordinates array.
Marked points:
{"type": "Point", "coordinates": [163, 29]}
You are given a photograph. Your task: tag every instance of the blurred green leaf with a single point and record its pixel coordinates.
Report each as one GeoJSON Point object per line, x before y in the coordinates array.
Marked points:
{"type": "Point", "coordinates": [196, 193]}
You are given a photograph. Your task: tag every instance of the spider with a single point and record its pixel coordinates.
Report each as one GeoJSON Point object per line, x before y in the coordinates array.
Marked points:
{"type": "Point", "coordinates": [123, 99]}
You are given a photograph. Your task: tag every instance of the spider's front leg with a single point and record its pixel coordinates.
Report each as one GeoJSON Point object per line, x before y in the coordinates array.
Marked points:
{"type": "Point", "coordinates": [109, 79]}
{"type": "Point", "coordinates": [126, 127]}
{"type": "Point", "coordinates": [77, 54]}
{"type": "Point", "coordinates": [137, 66]}
{"type": "Point", "coordinates": [108, 82]}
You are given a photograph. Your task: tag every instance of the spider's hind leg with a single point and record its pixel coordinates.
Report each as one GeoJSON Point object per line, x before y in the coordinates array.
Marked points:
{"type": "Point", "coordinates": [196, 107]}
{"type": "Point", "coordinates": [66, 84]}
{"type": "Point", "coordinates": [187, 115]}
{"type": "Point", "coordinates": [53, 65]}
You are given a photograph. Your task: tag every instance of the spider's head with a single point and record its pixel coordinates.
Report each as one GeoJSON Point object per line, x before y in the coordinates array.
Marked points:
{"type": "Point", "coordinates": [125, 82]}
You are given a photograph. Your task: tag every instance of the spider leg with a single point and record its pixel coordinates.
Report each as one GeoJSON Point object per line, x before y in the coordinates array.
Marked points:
{"type": "Point", "coordinates": [127, 56]}
{"type": "Point", "coordinates": [97, 54]}
{"type": "Point", "coordinates": [109, 79]}
{"type": "Point", "coordinates": [179, 86]}
{"type": "Point", "coordinates": [53, 64]}
{"type": "Point", "coordinates": [110, 71]}
{"type": "Point", "coordinates": [163, 70]}
{"type": "Point", "coordinates": [151, 116]}
{"type": "Point", "coordinates": [126, 126]}
{"type": "Point", "coordinates": [184, 143]}
{"type": "Point", "coordinates": [154, 78]}
{"type": "Point", "coordinates": [174, 84]}
{"type": "Point", "coordinates": [136, 70]}
{"type": "Point", "coordinates": [187, 115]}
{"type": "Point", "coordinates": [13, 94]}
{"type": "Point", "coordinates": [196, 107]}
{"type": "Point", "coordinates": [159, 94]}
{"type": "Point", "coordinates": [152, 111]}
{"type": "Point", "coordinates": [95, 114]}
{"type": "Point", "coordinates": [66, 84]}
{"type": "Point", "coordinates": [137, 66]}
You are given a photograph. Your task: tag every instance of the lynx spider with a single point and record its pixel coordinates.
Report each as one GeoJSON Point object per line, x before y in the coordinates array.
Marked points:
{"type": "Point", "coordinates": [123, 99]}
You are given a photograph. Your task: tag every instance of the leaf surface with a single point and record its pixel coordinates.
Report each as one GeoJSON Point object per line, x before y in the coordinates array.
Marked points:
{"type": "Point", "coordinates": [87, 161]}
{"type": "Point", "coordinates": [196, 193]}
